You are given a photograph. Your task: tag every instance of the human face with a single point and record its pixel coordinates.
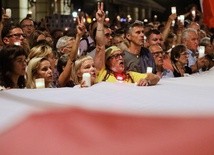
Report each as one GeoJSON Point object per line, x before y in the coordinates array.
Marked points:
{"type": "Point", "coordinates": [19, 65]}
{"type": "Point", "coordinates": [45, 71]}
{"type": "Point", "coordinates": [209, 49]}
{"type": "Point", "coordinates": [16, 36]}
{"type": "Point", "coordinates": [67, 48]}
{"type": "Point", "coordinates": [157, 53]}
{"type": "Point", "coordinates": [52, 59]}
{"type": "Point", "coordinates": [88, 67]}
{"type": "Point", "coordinates": [108, 37]}
{"type": "Point", "coordinates": [117, 40]}
{"type": "Point", "coordinates": [155, 39]}
{"type": "Point", "coordinates": [136, 36]}
{"type": "Point", "coordinates": [192, 41]}
{"type": "Point", "coordinates": [183, 59]}
{"type": "Point", "coordinates": [116, 62]}
{"type": "Point", "coordinates": [27, 27]}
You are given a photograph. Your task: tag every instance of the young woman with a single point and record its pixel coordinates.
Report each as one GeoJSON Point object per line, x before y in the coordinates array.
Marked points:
{"type": "Point", "coordinates": [39, 68]}
{"type": "Point", "coordinates": [12, 66]}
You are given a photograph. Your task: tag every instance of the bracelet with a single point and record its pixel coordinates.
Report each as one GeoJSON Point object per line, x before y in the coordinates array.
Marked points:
{"type": "Point", "coordinates": [100, 30]}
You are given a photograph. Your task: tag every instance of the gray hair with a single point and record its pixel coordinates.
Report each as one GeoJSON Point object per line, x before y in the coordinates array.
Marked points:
{"type": "Point", "coordinates": [185, 33]}
{"type": "Point", "coordinates": [205, 41]}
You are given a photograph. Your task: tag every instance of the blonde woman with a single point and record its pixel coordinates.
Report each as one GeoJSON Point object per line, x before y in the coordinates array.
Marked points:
{"type": "Point", "coordinates": [43, 50]}
{"type": "Point", "coordinates": [82, 65]}
{"type": "Point", "coordinates": [39, 68]}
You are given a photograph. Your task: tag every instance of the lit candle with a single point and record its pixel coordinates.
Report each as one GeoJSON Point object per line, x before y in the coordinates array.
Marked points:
{"type": "Point", "coordinates": [86, 77]}
{"type": "Point", "coordinates": [173, 9]}
{"type": "Point", "coordinates": [40, 83]}
{"type": "Point", "coordinates": [182, 19]}
{"type": "Point", "coordinates": [201, 51]}
{"type": "Point", "coordinates": [8, 12]}
{"type": "Point", "coordinates": [149, 70]}
{"type": "Point", "coordinates": [193, 13]}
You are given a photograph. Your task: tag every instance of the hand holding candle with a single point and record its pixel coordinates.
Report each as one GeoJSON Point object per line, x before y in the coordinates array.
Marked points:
{"type": "Point", "coordinates": [201, 51]}
{"type": "Point", "coordinates": [173, 9]}
{"type": "Point", "coordinates": [8, 12]}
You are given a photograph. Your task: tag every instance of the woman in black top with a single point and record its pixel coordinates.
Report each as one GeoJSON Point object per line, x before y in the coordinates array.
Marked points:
{"type": "Point", "coordinates": [179, 58]}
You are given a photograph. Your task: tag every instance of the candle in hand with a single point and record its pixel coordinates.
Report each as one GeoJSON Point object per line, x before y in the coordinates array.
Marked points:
{"type": "Point", "coordinates": [40, 83]}
{"type": "Point", "coordinates": [149, 70]}
{"type": "Point", "coordinates": [86, 77]}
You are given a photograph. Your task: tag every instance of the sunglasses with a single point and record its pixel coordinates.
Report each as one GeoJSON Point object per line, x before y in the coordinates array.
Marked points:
{"type": "Point", "coordinates": [158, 53]}
{"type": "Point", "coordinates": [117, 56]}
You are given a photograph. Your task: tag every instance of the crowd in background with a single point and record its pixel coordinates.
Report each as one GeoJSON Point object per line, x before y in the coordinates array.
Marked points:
{"type": "Point", "coordinates": [134, 52]}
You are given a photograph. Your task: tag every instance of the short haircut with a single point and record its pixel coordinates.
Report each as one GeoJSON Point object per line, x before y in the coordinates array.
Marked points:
{"type": "Point", "coordinates": [185, 33]}
{"type": "Point", "coordinates": [136, 23]}
{"type": "Point", "coordinates": [7, 28]}
{"type": "Point", "coordinates": [152, 31]}
{"type": "Point", "coordinates": [176, 51]}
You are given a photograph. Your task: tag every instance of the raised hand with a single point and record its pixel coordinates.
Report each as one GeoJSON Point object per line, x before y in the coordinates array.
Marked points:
{"type": "Point", "coordinates": [81, 29]}
{"type": "Point", "coordinates": [100, 14]}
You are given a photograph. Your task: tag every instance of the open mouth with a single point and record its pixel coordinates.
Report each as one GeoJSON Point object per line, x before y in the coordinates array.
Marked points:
{"type": "Point", "coordinates": [93, 74]}
{"type": "Point", "coordinates": [121, 63]}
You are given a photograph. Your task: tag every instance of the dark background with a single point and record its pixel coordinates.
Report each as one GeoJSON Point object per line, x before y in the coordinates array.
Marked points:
{"type": "Point", "coordinates": [181, 5]}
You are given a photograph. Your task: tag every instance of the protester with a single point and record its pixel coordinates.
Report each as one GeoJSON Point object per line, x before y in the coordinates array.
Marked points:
{"type": "Point", "coordinates": [12, 66]}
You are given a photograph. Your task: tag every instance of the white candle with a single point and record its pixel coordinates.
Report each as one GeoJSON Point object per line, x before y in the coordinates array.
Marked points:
{"type": "Point", "coordinates": [201, 51]}
{"type": "Point", "coordinates": [8, 12]}
{"type": "Point", "coordinates": [149, 70]}
{"type": "Point", "coordinates": [40, 83]}
{"type": "Point", "coordinates": [87, 78]}
{"type": "Point", "coordinates": [193, 13]}
{"type": "Point", "coordinates": [182, 19]}
{"type": "Point", "coordinates": [173, 9]}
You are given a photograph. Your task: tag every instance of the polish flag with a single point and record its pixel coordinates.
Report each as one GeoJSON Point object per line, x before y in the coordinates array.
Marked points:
{"type": "Point", "coordinates": [207, 7]}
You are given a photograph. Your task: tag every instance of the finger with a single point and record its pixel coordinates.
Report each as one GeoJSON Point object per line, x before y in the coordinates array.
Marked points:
{"type": "Point", "coordinates": [78, 20]}
{"type": "Point", "coordinates": [98, 5]}
{"type": "Point", "coordinates": [101, 6]}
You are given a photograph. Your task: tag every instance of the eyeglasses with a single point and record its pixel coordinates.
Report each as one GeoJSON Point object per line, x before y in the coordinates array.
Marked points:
{"type": "Point", "coordinates": [184, 53]}
{"type": "Point", "coordinates": [116, 56]}
{"type": "Point", "coordinates": [108, 34]}
{"type": "Point", "coordinates": [158, 53]}
{"type": "Point", "coordinates": [17, 36]}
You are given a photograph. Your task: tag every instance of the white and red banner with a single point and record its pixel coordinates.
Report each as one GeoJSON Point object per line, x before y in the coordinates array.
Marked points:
{"type": "Point", "coordinates": [207, 7]}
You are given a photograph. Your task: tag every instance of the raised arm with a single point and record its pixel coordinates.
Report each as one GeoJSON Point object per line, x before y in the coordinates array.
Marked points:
{"type": "Point", "coordinates": [100, 45]}
{"type": "Point", "coordinates": [65, 75]}
{"type": "Point", "coordinates": [168, 25]}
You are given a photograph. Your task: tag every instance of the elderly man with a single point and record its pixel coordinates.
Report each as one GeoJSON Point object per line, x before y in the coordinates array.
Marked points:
{"type": "Point", "coordinates": [158, 53]}
{"type": "Point", "coordinates": [190, 39]}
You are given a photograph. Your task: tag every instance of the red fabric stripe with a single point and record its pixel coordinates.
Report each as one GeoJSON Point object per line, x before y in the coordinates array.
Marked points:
{"type": "Point", "coordinates": [82, 132]}
{"type": "Point", "coordinates": [208, 12]}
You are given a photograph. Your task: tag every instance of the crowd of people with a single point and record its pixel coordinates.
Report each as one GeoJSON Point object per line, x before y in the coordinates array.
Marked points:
{"type": "Point", "coordinates": [138, 52]}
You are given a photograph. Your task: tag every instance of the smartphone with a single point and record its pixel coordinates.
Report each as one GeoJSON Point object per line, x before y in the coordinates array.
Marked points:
{"type": "Point", "coordinates": [8, 12]}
